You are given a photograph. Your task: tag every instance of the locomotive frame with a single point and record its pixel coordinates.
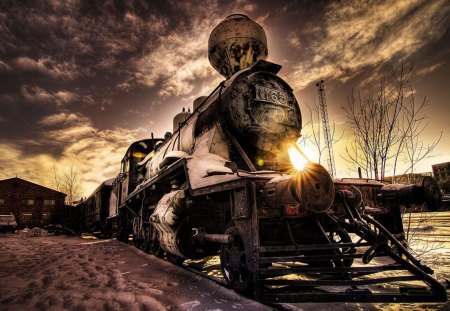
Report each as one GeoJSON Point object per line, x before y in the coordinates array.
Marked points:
{"type": "Point", "coordinates": [340, 264]}
{"type": "Point", "coordinates": [299, 291]}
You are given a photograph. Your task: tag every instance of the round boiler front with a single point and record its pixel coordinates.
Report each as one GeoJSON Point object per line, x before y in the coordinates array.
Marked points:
{"type": "Point", "coordinates": [262, 109]}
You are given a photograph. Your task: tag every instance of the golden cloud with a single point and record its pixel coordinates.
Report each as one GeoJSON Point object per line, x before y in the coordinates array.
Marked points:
{"type": "Point", "coordinates": [357, 35]}
{"type": "Point", "coordinates": [95, 153]}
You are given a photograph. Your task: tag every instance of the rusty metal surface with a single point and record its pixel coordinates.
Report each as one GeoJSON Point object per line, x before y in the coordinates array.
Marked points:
{"type": "Point", "coordinates": [201, 235]}
{"type": "Point", "coordinates": [256, 106]}
{"type": "Point", "coordinates": [311, 189]}
{"type": "Point", "coordinates": [262, 111]}
{"type": "Point", "coordinates": [236, 44]}
{"type": "Point", "coordinates": [183, 139]}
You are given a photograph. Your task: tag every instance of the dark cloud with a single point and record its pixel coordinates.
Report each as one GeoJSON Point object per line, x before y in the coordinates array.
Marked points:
{"type": "Point", "coordinates": [47, 66]}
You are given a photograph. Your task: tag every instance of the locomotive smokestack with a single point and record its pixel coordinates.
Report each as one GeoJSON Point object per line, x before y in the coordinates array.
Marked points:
{"type": "Point", "coordinates": [235, 44]}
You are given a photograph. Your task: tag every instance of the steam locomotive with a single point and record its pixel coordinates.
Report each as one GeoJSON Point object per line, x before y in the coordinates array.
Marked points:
{"type": "Point", "coordinates": [232, 181]}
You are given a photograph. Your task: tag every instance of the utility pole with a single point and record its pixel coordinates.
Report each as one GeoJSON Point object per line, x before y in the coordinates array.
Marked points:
{"type": "Point", "coordinates": [326, 127]}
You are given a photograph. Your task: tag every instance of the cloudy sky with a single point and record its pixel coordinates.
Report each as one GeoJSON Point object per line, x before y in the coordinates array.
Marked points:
{"type": "Point", "coordinates": [80, 80]}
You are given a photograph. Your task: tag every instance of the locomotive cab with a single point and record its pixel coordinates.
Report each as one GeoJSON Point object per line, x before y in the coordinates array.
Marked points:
{"type": "Point", "coordinates": [131, 172]}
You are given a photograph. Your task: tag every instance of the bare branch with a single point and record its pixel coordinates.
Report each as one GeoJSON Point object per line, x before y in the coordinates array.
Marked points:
{"type": "Point", "coordinates": [67, 182]}
{"type": "Point", "coordinates": [387, 126]}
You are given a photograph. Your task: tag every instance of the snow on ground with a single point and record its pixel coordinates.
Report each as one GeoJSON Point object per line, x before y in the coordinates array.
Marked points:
{"type": "Point", "coordinates": [55, 273]}
{"type": "Point", "coordinates": [70, 273]}
{"type": "Point", "coordinates": [429, 237]}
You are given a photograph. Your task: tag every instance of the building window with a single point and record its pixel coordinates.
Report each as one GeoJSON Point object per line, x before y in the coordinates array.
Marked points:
{"type": "Point", "coordinates": [45, 217]}
{"type": "Point", "coordinates": [28, 202]}
{"type": "Point", "coordinates": [26, 218]}
{"type": "Point", "coordinates": [49, 202]}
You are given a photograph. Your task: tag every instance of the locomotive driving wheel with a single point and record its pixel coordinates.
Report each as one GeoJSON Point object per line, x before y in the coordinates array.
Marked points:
{"type": "Point", "coordinates": [176, 260]}
{"type": "Point", "coordinates": [233, 262]}
{"type": "Point", "coordinates": [151, 241]}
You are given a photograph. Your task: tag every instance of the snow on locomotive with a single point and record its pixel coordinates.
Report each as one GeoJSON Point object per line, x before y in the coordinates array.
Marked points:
{"type": "Point", "coordinates": [231, 180]}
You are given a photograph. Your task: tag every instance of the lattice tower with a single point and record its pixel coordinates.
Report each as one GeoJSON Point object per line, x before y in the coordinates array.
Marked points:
{"type": "Point", "coordinates": [326, 128]}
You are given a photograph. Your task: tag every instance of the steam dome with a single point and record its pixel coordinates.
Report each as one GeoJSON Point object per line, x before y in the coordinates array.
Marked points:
{"type": "Point", "coordinates": [179, 119]}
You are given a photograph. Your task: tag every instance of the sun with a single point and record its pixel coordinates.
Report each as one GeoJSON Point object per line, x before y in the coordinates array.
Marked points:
{"type": "Point", "coordinates": [297, 157]}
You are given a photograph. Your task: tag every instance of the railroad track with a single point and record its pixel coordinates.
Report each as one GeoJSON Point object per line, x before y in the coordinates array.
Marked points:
{"type": "Point", "coordinates": [196, 267]}
{"type": "Point", "coordinates": [209, 268]}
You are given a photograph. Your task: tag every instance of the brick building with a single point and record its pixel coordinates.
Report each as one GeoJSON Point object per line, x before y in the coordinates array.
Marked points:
{"type": "Point", "coordinates": [441, 171]}
{"type": "Point", "coordinates": [32, 204]}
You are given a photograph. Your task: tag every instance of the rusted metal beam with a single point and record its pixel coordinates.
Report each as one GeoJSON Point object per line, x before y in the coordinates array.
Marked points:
{"type": "Point", "coordinates": [200, 235]}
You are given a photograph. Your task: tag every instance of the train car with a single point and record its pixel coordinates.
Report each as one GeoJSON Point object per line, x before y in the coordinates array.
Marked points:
{"type": "Point", "coordinates": [94, 210]}
{"type": "Point", "coordinates": [130, 176]}
{"type": "Point", "coordinates": [232, 181]}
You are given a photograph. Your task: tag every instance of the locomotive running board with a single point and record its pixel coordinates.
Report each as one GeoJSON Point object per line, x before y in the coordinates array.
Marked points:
{"type": "Point", "coordinates": [341, 284]}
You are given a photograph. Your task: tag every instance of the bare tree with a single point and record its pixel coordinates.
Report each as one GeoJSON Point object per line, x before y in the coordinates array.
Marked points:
{"type": "Point", "coordinates": [374, 120]}
{"type": "Point", "coordinates": [419, 231]}
{"type": "Point", "coordinates": [387, 127]}
{"type": "Point", "coordinates": [413, 126]}
{"type": "Point", "coordinates": [56, 180]}
{"type": "Point", "coordinates": [68, 181]}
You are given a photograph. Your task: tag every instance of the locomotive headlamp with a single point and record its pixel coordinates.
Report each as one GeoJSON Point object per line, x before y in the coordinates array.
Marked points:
{"type": "Point", "coordinates": [260, 162]}
{"type": "Point", "coordinates": [297, 157]}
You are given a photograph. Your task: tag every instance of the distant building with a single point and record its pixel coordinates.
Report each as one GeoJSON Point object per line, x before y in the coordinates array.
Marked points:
{"type": "Point", "coordinates": [441, 171]}
{"type": "Point", "coordinates": [410, 178]}
{"type": "Point", "coordinates": [32, 204]}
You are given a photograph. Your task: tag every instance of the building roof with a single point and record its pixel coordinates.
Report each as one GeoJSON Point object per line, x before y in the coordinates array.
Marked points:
{"type": "Point", "coordinates": [440, 165]}
{"type": "Point", "coordinates": [17, 179]}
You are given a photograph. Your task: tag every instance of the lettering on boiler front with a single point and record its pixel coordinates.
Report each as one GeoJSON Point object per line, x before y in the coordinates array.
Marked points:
{"type": "Point", "coordinates": [266, 94]}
